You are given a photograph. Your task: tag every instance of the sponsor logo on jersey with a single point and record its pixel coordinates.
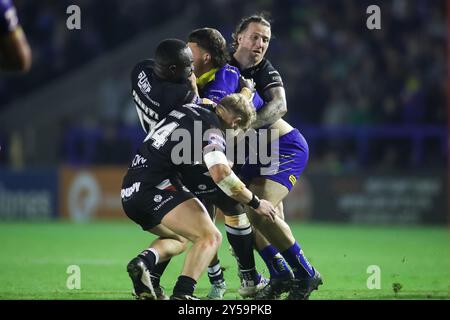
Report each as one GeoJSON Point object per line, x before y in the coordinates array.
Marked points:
{"type": "Point", "coordinates": [138, 161]}
{"type": "Point", "coordinates": [162, 203]}
{"type": "Point", "coordinates": [292, 179]}
{"type": "Point", "coordinates": [276, 79]}
{"type": "Point", "coordinates": [202, 186]}
{"type": "Point", "coordinates": [177, 114]}
{"type": "Point", "coordinates": [143, 83]}
{"type": "Point", "coordinates": [127, 192]}
{"type": "Point", "coordinates": [157, 198]}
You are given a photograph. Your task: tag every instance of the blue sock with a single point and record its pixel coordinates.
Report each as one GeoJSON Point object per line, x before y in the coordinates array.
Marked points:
{"type": "Point", "coordinates": [298, 262]}
{"type": "Point", "coordinates": [276, 264]}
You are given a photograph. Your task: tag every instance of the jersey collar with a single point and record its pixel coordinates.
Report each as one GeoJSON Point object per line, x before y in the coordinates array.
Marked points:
{"type": "Point", "coordinates": [207, 77]}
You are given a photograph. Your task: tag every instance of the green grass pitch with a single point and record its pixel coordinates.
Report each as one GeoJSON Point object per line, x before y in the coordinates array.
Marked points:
{"type": "Point", "coordinates": [34, 259]}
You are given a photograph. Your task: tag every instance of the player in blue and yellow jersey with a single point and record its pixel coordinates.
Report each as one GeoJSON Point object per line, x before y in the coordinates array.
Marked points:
{"type": "Point", "coordinates": [215, 80]}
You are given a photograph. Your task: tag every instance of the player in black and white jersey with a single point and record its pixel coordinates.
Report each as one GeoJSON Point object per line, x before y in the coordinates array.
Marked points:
{"type": "Point", "coordinates": [154, 197]}
{"type": "Point", "coordinates": [158, 86]}
{"type": "Point", "coordinates": [15, 52]}
{"type": "Point", "coordinates": [163, 83]}
{"type": "Point", "coordinates": [251, 41]}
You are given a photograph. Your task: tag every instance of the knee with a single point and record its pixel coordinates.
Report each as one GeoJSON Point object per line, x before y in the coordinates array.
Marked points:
{"type": "Point", "coordinates": [255, 219]}
{"type": "Point", "coordinates": [217, 238]}
{"type": "Point", "coordinates": [212, 238]}
{"type": "Point", "coordinates": [183, 242]}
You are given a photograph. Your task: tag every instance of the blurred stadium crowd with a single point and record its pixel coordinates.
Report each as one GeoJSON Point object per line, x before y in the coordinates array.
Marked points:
{"type": "Point", "coordinates": [337, 73]}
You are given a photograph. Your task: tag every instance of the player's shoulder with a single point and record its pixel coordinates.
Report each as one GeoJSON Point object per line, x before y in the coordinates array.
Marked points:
{"type": "Point", "coordinates": [199, 113]}
{"type": "Point", "coordinates": [267, 66]}
{"type": "Point", "coordinates": [268, 76]}
{"type": "Point", "coordinates": [228, 68]}
{"type": "Point", "coordinates": [143, 65]}
{"type": "Point", "coordinates": [227, 72]}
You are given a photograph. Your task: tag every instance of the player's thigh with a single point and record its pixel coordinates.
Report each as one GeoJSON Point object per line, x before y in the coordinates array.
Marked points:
{"type": "Point", "coordinates": [268, 189]}
{"type": "Point", "coordinates": [211, 208]}
{"type": "Point", "coordinates": [165, 233]}
{"type": "Point", "coordinates": [280, 210]}
{"type": "Point", "coordinates": [190, 220]}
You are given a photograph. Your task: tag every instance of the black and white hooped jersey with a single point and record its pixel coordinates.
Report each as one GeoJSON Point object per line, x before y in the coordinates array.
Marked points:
{"type": "Point", "coordinates": [154, 97]}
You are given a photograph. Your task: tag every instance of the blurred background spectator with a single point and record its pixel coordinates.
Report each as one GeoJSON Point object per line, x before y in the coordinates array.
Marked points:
{"type": "Point", "coordinates": [363, 98]}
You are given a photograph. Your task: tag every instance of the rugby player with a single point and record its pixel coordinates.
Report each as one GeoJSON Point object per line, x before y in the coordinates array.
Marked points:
{"type": "Point", "coordinates": [155, 198]}
{"type": "Point", "coordinates": [251, 41]}
{"type": "Point", "coordinates": [158, 86]}
{"type": "Point", "coordinates": [216, 79]}
{"type": "Point", "coordinates": [15, 52]}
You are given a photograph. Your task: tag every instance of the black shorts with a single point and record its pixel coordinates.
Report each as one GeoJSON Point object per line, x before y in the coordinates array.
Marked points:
{"type": "Point", "coordinates": [227, 205]}
{"type": "Point", "coordinates": [148, 204]}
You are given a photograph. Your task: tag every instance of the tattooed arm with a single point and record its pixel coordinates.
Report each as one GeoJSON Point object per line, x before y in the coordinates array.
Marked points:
{"type": "Point", "coordinates": [272, 110]}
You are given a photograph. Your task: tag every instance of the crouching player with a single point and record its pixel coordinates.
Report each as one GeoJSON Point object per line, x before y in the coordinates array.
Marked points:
{"type": "Point", "coordinates": [155, 198]}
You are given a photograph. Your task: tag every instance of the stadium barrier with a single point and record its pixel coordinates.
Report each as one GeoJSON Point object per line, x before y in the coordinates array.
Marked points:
{"type": "Point", "coordinates": [29, 194]}
{"type": "Point", "coordinates": [91, 193]}
{"type": "Point", "coordinates": [371, 198]}
{"type": "Point", "coordinates": [364, 138]}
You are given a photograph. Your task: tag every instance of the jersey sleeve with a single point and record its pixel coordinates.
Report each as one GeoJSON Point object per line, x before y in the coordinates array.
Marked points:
{"type": "Point", "coordinates": [155, 98]}
{"type": "Point", "coordinates": [185, 94]}
{"type": "Point", "coordinates": [268, 77]}
{"type": "Point", "coordinates": [214, 141]}
{"type": "Point", "coordinates": [8, 17]}
{"type": "Point", "coordinates": [226, 82]}
{"type": "Point", "coordinates": [258, 102]}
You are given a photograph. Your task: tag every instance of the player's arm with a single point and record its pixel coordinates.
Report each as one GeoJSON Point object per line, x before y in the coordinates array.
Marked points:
{"type": "Point", "coordinates": [272, 110]}
{"type": "Point", "coordinates": [15, 52]}
{"type": "Point", "coordinates": [231, 185]}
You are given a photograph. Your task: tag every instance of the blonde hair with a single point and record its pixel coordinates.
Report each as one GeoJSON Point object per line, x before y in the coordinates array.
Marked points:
{"type": "Point", "coordinates": [240, 106]}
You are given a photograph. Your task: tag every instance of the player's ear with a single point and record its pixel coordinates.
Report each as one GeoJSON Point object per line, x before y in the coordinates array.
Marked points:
{"type": "Point", "coordinates": [206, 58]}
{"type": "Point", "coordinates": [239, 38]}
{"type": "Point", "coordinates": [236, 122]}
{"type": "Point", "coordinates": [172, 69]}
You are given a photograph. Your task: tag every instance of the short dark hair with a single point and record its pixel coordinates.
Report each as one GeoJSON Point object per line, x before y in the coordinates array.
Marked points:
{"type": "Point", "coordinates": [168, 52]}
{"type": "Point", "coordinates": [262, 18]}
{"type": "Point", "coordinates": [212, 41]}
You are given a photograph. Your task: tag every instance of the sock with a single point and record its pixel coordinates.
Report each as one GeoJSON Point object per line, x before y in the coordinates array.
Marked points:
{"type": "Point", "coordinates": [185, 286]}
{"type": "Point", "coordinates": [275, 263]}
{"type": "Point", "coordinates": [241, 240]}
{"type": "Point", "coordinates": [215, 273]}
{"type": "Point", "coordinates": [150, 257]}
{"type": "Point", "coordinates": [250, 275]}
{"type": "Point", "coordinates": [157, 272]}
{"type": "Point", "coordinates": [298, 262]}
